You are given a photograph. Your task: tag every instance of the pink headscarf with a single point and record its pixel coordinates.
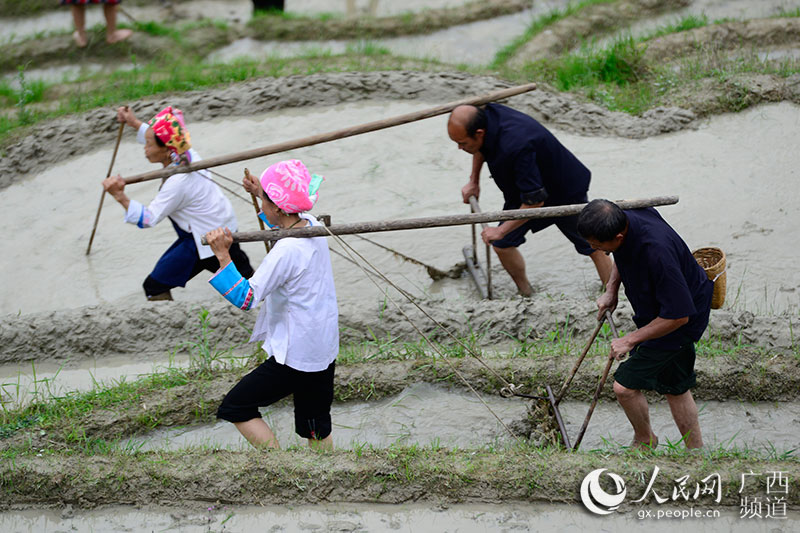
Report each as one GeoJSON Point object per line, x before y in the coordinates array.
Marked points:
{"type": "Point", "coordinates": [169, 127]}
{"type": "Point", "coordinates": [287, 184]}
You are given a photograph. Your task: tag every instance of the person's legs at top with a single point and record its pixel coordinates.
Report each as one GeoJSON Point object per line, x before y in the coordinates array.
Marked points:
{"type": "Point", "coordinates": [684, 412]}
{"type": "Point", "coordinates": [79, 19]}
{"type": "Point", "coordinates": [113, 35]}
{"type": "Point", "coordinates": [513, 262]}
{"type": "Point", "coordinates": [636, 409]}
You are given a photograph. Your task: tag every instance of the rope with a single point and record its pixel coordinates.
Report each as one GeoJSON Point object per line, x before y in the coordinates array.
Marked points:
{"type": "Point", "coordinates": [433, 272]}
{"type": "Point", "coordinates": [348, 249]}
{"type": "Point", "coordinates": [237, 195]}
{"type": "Point", "coordinates": [469, 350]}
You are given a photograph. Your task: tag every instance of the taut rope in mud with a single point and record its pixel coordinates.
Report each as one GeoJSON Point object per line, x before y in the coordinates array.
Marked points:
{"type": "Point", "coordinates": [348, 250]}
{"type": "Point", "coordinates": [433, 272]}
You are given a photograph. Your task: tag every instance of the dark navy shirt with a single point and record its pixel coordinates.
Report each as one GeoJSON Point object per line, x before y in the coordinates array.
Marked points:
{"type": "Point", "coordinates": [662, 278]}
{"type": "Point", "coordinates": [528, 163]}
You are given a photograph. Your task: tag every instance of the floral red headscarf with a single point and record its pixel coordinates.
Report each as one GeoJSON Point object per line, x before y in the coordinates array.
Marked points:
{"type": "Point", "coordinates": [169, 127]}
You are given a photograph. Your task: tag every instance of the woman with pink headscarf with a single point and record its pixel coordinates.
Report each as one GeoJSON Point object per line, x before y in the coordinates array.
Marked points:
{"type": "Point", "coordinates": [191, 201]}
{"type": "Point", "coordinates": [298, 324]}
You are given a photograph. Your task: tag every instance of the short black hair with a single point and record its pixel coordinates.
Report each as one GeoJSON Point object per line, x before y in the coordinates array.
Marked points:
{"type": "Point", "coordinates": [601, 220]}
{"type": "Point", "coordinates": [477, 122]}
{"type": "Point", "coordinates": [159, 142]}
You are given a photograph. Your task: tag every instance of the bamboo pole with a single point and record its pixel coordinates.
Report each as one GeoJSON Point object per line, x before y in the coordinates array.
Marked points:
{"type": "Point", "coordinates": [255, 206]}
{"type": "Point", "coordinates": [103, 194]}
{"type": "Point", "coordinates": [577, 364]}
{"type": "Point", "coordinates": [330, 136]}
{"type": "Point", "coordinates": [440, 221]}
{"type": "Point", "coordinates": [600, 385]}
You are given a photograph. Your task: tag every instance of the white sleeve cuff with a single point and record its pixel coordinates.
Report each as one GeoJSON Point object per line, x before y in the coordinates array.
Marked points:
{"type": "Point", "coordinates": [140, 138]}
{"type": "Point", "coordinates": [135, 213]}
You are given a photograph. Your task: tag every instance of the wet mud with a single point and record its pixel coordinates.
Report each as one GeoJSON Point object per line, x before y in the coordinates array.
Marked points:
{"type": "Point", "coordinates": [747, 377]}
{"type": "Point", "coordinates": [202, 517]}
{"type": "Point", "coordinates": [374, 476]}
{"type": "Point", "coordinates": [47, 145]}
{"type": "Point", "coordinates": [51, 467]}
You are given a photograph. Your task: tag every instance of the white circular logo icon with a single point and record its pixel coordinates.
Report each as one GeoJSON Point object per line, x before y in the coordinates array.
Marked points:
{"type": "Point", "coordinates": [598, 500]}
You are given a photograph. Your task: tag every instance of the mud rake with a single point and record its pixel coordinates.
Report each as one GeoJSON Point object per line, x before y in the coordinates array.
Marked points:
{"type": "Point", "coordinates": [544, 412]}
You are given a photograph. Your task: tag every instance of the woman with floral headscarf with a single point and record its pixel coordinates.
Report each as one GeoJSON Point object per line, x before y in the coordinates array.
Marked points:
{"type": "Point", "coordinates": [192, 202]}
{"type": "Point", "coordinates": [298, 324]}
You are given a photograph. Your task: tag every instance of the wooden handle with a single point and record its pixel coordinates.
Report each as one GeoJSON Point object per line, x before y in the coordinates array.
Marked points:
{"type": "Point", "coordinates": [331, 136]}
{"type": "Point", "coordinates": [103, 194]}
{"type": "Point", "coordinates": [441, 221]}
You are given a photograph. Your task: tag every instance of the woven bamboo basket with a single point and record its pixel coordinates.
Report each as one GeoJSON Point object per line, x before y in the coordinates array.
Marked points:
{"type": "Point", "coordinates": [713, 262]}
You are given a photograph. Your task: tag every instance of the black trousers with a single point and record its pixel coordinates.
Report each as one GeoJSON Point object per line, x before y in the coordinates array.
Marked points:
{"type": "Point", "coordinates": [153, 287]}
{"type": "Point", "coordinates": [268, 4]}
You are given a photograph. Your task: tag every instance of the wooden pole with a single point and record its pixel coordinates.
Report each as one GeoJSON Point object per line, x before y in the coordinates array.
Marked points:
{"type": "Point", "coordinates": [103, 194]}
{"type": "Point", "coordinates": [474, 269]}
{"type": "Point", "coordinates": [600, 385]}
{"type": "Point", "coordinates": [439, 221]}
{"type": "Point", "coordinates": [579, 361]}
{"type": "Point", "coordinates": [476, 208]}
{"type": "Point", "coordinates": [255, 206]}
{"type": "Point", "coordinates": [330, 136]}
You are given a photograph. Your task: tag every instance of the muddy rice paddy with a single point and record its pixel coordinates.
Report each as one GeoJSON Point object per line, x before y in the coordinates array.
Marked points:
{"type": "Point", "coordinates": [416, 450]}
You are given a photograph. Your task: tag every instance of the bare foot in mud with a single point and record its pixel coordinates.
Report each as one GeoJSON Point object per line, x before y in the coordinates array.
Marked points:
{"type": "Point", "coordinates": [118, 35]}
{"type": "Point", "coordinates": [80, 38]}
{"type": "Point", "coordinates": [645, 446]}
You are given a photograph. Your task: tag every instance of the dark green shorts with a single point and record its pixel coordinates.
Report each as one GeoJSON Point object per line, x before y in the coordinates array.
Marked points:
{"type": "Point", "coordinates": [664, 371]}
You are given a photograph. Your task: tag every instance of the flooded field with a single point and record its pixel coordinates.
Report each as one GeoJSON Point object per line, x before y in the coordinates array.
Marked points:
{"type": "Point", "coordinates": [413, 171]}
{"type": "Point", "coordinates": [414, 450]}
{"type": "Point", "coordinates": [426, 415]}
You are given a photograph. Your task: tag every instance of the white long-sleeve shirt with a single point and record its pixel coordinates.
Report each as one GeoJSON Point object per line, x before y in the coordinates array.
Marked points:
{"type": "Point", "coordinates": [298, 322]}
{"type": "Point", "coordinates": [193, 201]}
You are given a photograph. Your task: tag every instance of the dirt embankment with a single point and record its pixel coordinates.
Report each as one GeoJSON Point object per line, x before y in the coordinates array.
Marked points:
{"type": "Point", "coordinates": [425, 21]}
{"type": "Point", "coordinates": [747, 377]}
{"type": "Point", "coordinates": [200, 41]}
{"type": "Point", "coordinates": [592, 21]}
{"type": "Point", "coordinates": [147, 329]}
{"type": "Point", "coordinates": [47, 144]}
{"type": "Point", "coordinates": [379, 476]}
{"type": "Point", "coordinates": [744, 35]}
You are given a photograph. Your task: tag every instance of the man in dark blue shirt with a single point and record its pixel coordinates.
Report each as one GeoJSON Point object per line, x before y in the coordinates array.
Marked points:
{"type": "Point", "coordinates": [532, 169]}
{"type": "Point", "coordinates": [671, 299]}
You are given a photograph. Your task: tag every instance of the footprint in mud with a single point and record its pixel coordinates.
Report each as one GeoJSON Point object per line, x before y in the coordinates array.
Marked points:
{"type": "Point", "coordinates": [749, 228]}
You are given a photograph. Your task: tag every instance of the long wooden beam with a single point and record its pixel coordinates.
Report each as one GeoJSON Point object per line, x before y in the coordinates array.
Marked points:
{"type": "Point", "coordinates": [439, 221]}
{"type": "Point", "coordinates": [330, 136]}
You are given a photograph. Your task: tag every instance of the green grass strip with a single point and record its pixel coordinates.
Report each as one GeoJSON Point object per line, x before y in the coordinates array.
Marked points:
{"type": "Point", "coordinates": [538, 25]}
